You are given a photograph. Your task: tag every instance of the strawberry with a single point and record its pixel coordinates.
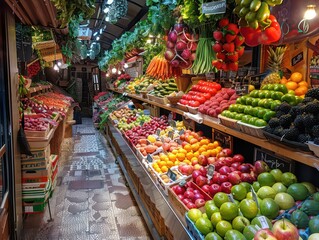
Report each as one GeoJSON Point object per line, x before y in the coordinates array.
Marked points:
{"type": "Point", "coordinates": [223, 22]}
{"type": "Point", "coordinates": [229, 47]}
{"type": "Point", "coordinates": [240, 50]}
{"type": "Point", "coordinates": [221, 56]}
{"type": "Point", "coordinates": [218, 35]}
{"type": "Point", "coordinates": [233, 66]}
{"type": "Point", "coordinates": [225, 67]}
{"type": "Point", "coordinates": [233, 28]}
{"type": "Point", "coordinates": [233, 57]}
{"type": "Point", "coordinates": [239, 40]}
{"type": "Point", "coordinates": [217, 47]}
{"type": "Point", "coordinates": [217, 63]}
{"type": "Point", "coordinates": [229, 38]}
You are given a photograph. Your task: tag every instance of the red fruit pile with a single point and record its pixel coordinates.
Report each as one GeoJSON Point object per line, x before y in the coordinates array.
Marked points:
{"type": "Point", "coordinates": [33, 69]}
{"type": "Point", "coordinates": [200, 93]}
{"type": "Point", "coordinates": [218, 103]}
{"type": "Point", "coordinates": [228, 46]}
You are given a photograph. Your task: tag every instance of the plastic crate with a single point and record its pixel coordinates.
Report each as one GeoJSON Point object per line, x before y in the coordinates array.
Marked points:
{"type": "Point", "coordinates": [33, 207]}
{"type": "Point", "coordinates": [193, 230]}
{"type": "Point", "coordinates": [251, 130]}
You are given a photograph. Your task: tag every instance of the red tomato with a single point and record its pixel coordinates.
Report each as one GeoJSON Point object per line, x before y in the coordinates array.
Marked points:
{"type": "Point", "coordinates": [183, 101]}
{"type": "Point", "coordinates": [194, 88]}
{"type": "Point", "coordinates": [201, 99]}
{"type": "Point", "coordinates": [193, 103]}
{"type": "Point", "coordinates": [217, 86]}
{"type": "Point", "coordinates": [207, 95]}
{"type": "Point", "coordinates": [201, 82]}
{"type": "Point", "coordinates": [187, 97]}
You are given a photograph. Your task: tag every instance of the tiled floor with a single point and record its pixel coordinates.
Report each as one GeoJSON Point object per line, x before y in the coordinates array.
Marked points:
{"type": "Point", "coordinates": [91, 200]}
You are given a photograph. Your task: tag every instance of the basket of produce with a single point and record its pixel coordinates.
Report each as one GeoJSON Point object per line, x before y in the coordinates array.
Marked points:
{"type": "Point", "coordinates": [228, 122]}
{"type": "Point", "coordinates": [251, 130]}
{"type": "Point", "coordinates": [174, 97]}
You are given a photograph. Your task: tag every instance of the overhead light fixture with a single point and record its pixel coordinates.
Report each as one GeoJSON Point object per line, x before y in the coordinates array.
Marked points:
{"type": "Point", "coordinates": [55, 67]}
{"type": "Point", "coordinates": [59, 64]}
{"type": "Point", "coordinates": [109, 2]}
{"type": "Point", "coordinates": [101, 30]}
{"type": "Point", "coordinates": [94, 34]}
{"type": "Point", "coordinates": [98, 38]}
{"type": "Point", "coordinates": [107, 75]}
{"type": "Point", "coordinates": [107, 18]}
{"type": "Point", "coordinates": [125, 65]}
{"type": "Point", "coordinates": [114, 70]}
{"type": "Point", "coordinates": [119, 72]}
{"type": "Point", "coordinates": [310, 12]}
{"type": "Point", "coordinates": [106, 10]}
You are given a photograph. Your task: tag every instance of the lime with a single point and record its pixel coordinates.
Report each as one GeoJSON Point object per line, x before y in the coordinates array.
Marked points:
{"type": "Point", "coordinates": [220, 198]}
{"type": "Point", "coordinates": [222, 227]}
{"type": "Point", "coordinates": [288, 178]}
{"type": "Point", "coordinates": [277, 173]}
{"type": "Point", "coordinates": [269, 208]}
{"type": "Point", "coordinates": [213, 236]}
{"type": "Point", "coordinates": [298, 191]}
{"type": "Point", "coordinates": [311, 188]}
{"type": "Point", "coordinates": [246, 185]}
{"type": "Point", "coordinates": [239, 192]}
{"type": "Point", "coordinates": [248, 208]}
{"type": "Point", "coordinates": [228, 211]}
{"type": "Point", "coordinates": [266, 179]}
{"type": "Point", "coordinates": [279, 187]}
{"type": "Point", "coordinates": [234, 235]}
{"type": "Point", "coordinates": [284, 200]}
{"type": "Point", "coordinates": [204, 225]}
{"type": "Point", "coordinates": [239, 223]}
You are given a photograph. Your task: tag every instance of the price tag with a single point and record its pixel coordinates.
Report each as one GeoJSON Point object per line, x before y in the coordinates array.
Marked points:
{"type": "Point", "coordinates": [170, 117]}
{"type": "Point", "coordinates": [172, 123]}
{"type": "Point", "coordinates": [158, 132]}
{"type": "Point", "coordinates": [255, 198]}
{"type": "Point", "coordinates": [179, 141]}
{"type": "Point", "coordinates": [182, 183]}
{"type": "Point", "coordinates": [124, 94]}
{"type": "Point", "coordinates": [231, 198]}
{"type": "Point", "coordinates": [210, 171]}
{"type": "Point", "coordinates": [263, 222]}
{"type": "Point", "coordinates": [171, 174]}
{"type": "Point", "coordinates": [171, 134]}
{"type": "Point", "coordinates": [141, 123]}
{"type": "Point", "coordinates": [116, 121]}
{"type": "Point", "coordinates": [149, 158]}
{"type": "Point", "coordinates": [181, 132]}
{"type": "Point", "coordinates": [162, 139]}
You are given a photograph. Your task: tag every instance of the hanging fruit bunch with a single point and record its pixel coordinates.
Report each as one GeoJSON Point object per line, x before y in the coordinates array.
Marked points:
{"type": "Point", "coordinates": [228, 46]}
{"type": "Point", "coordinates": [180, 47]}
{"type": "Point", "coordinates": [257, 25]}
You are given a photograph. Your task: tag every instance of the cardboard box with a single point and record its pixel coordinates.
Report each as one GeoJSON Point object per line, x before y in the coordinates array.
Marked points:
{"type": "Point", "coordinates": [37, 154]}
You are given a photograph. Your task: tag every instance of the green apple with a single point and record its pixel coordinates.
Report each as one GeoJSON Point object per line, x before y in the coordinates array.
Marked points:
{"type": "Point", "coordinates": [276, 95]}
{"type": "Point", "coordinates": [204, 225]}
{"type": "Point", "coordinates": [210, 209]}
{"type": "Point", "coordinates": [239, 223]}
{"type": "Point", "coordinates": [269, 208]}
{"type": "Point", "coordinates": [279, 187]}
{"type": "Point", "coordinates": [213, 236]}
{"type": "Point", "coordinates": [222, 227]}
{"type": "Point", "coordinates": [249, 101]}
{"type": "Point", "coordinates": [256, 186]}
{"type": "Point", "coordinates": [255, 101]}
{"type": "Point", "coordinates": [277, 173]}
{"type": "Point", "coordinates": [268, 115]}
{"type": "Point", "coordinates": [228, 211]}
{"type": "Point", "coordinates": [248, 208]}
{"type": "Point", "coordinates": [288, 178]}
{"type": "Point", "coordinates": [215, 218]}
{"type": "Point", "coordinates": [234, 235]}
{"type": "Point", "coordinates": [239, 192]}
{"type": "Point", "coordinates": [266, 179]}
{"type": "Point", "coordinates": [266, 192]}
{"type": "Point", "coordinates": [275, 104]}
{"type": "Point", "coordinates": [250, 231]}
{"type": "Point", "coordinates": [246, 185]}
{"type": "Point", "coordinates": [220, 198]}
{"type": "Point", "coordinates": [194, 214]}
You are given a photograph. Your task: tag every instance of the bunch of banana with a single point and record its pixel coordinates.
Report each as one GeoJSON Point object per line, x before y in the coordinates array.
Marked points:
{"type": "Point", "coordinates": [254, 13]}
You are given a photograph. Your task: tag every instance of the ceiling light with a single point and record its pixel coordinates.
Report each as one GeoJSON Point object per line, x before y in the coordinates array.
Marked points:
{"type": "Point", "coordinates": [109, 2]}
{"type": "Point", "coordinates": [101, 30]}
{"type": "Point", "coordinates": [107, 18]}
{"type": "Point", "coordinates": [148, 41]}
{"type": "Point", "coordinates": [125, 65]}
{"type": "Point", "coordinates": [59, 64]}
{"type": "Point", "coordinates": [94, 34]}
{"type": "Point", "coordinates": [98, 38]}
{"type": "Point", "coordinates": [119, 72]}
{"type": "Point", "coordinates": [114, 70]}
{"type": "Point", "coordinates": [106, 10]}
{"type": "Point", "coordinates": [56, 68]}
{"type": "Point", "coordinates": [107, 75]}
{"type": "Point", "coordinates": [310, 12]}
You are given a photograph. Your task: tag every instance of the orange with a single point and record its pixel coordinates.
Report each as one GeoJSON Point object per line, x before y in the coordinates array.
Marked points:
{"type": "Point", "coordinates": [219, 149]}
{"type": "Point", "coordinates": [206, 154]}
{"type": "Point", "coordinates": [196, 154]}
{"type": "Point", "coordinates": [161, 164]}
{"type": "Point", "coordinates": [303, 83]}
{"type": "Point", "coordinates": [296, 77]}
{"type": "Point", "coordinates": [193, 141]}
{"type": "Point", "coordinates": [216, 144]}
{"type": "Point", "coordinates": [201, 149]}
{"type": "Point", "coordinates": [291, 85]}
{"type": "Point", "coordinates": [213, 153]}
{"type": "Point", "coordinates": [301, 90]}
{"type": "Point", "coordinates": [169, 164]}
{"type": "Point", "coordinates": [181, 150]}
{"type": "Point", "coordinates": [283, 80]}
{"type": "Point", "coordinates": [157, 169]}
{"type": "Point", "coordinates": [195, 147]}
{"type": "Point", "coordinates": [175, 151]}
{"type": "Point", "coordinates": [189, 155]}
{"type": "Point", "coordinates": [171, 157]}
{"type": "Point", "coordinates": [164, 169]}
{"type": "Point", "coordinates": [210, 146]}
{"type": "Point", "coordinates": [163, 157]}
{"type": "Point", "coordinates": [204, 142]}
{"type": "Point", "coordinates": [187, 161]}
{"type": "Point", "coordinates": [176, 163]}
{"type": "Point", "coordinates": [188, 147]}
{"type": "Point", "coordinates": [180, 156]}
{"type": "Point", "coordinates": [189, 138]}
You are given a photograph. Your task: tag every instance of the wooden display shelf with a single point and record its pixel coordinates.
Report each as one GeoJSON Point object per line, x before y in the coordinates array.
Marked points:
{"type": "Point", "coordinates": [280, 150]}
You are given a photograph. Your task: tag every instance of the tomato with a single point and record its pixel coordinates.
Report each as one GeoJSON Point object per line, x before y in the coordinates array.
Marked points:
{"type": "Point", "coordinates": [207, 95]}
{"type": "Point", "coordinates": [194, 88]}
{"type": "Point", "coordinates": [201, 82]}
{"type": "Point", "coordinates": [201, 99]}
{"type": "Point", "coordinates": [183, 101]}
{"type": "Point", "coordinates": [217, 86]}
{"type": "Point", "coordinates": [212, 91]}
{"type": "Point", "coordinates": [194, 103]}
{"type": "Point", "coordinates": [187, 97]}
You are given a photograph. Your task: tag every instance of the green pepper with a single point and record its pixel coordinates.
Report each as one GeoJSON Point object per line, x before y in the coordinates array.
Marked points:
{"type": "Point", "coordinates": [243, 12]}
{"type": "Point", "coordinates": [254, 24]}
{"type": "Point", "coordinates": [245, 3]}
{"type": "Point", "coordinates": [289, 98]}
{"type": "Point", "coordinates": [265, 24]}
{"type": "Point", "coordinates": [273, 3]}
{"type": "Point", "coordinates": [263, 12]}
{"type": "Point", "coordinates": [237, 9]}
{"type": "Point", "coordinates": [255, 5]}
{"type": "Point", "coordinates": [250, 17]}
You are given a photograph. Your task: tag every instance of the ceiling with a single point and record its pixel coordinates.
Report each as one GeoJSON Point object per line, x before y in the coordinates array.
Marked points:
{"type": "Point", "coordinates": [43, 13]}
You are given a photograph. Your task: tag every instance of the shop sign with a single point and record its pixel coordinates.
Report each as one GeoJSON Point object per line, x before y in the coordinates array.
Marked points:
{"type": "Point", "coordinates": [210, 8]}
{"type": "Point", "coordinates": [297, 59]}
{"type": "Point", "coordinates": [225, 140]}
{"type": "Point", "coordinates": [273, 160]}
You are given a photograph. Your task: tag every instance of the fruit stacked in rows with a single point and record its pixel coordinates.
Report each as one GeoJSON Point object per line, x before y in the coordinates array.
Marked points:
{"type": "Point", "coordinates": [296, 84]}
{"type": "Point", "coordinates": [142, 83]}
{"type": "Point", "coordinates": [218, 103]}
{"type": "Point", "coordinates": [164, 88]}
{"type": "Point", "coordinates": [200, 93]}
{"type": "Point", "coordinates": [145, 146]}
{"type": "Point", "coordinates": [259, 106]}
{"type": "Point", "coordinates": [127, 123]}
{"type": "Point", "coordinates": [298, 123]}
{"type": "Point", "coordinates": [228, 46]}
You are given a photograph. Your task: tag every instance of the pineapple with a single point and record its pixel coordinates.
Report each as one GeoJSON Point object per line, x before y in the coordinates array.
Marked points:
{"type": "Point", "coordinates": [274, 64]}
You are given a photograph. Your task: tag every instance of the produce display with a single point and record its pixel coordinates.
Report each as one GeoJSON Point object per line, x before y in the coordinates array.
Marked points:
{"type": "Point", "coordinates": [34, 68]}
{"type": "Point", "coordinates": [164, 88]}
{"type": "Point", "coordinates": [160, 68]}
{"type": "Point", "coordinates": [200, 93]}
{"type": "Point", "coordinates": [121, 81]}
{"type": "Point", "coordinates": [258, 107]}
{"type": "Point", "coordinates": [219, 102]}
{"type": "Point", "coordinates": [296, 83]}
{"type": "Point", "coordinates": [228, 46]}
{"type": "Point", "coordinates": [141, 84]}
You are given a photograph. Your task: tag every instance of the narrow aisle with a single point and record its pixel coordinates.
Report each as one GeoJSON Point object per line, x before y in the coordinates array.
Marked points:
{"type": "Point", "coordinates": [91, 200]}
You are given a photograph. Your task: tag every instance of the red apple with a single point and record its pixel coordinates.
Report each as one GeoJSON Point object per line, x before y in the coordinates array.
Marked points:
{"type": "Point", "coordinates": [219, 164]}
{"type": "Point", "coordinates": [246, 177]}
{"type": "Point", "coordinates": [228, 160]}
{"type": "Point", "coordinates": [234, 178]}
{"type": "Point", "coordinates": [222, 178]}
{"type": "Point", "coordinates": [186, 169]}
{"type": "Point", "coordinates": [211, 160]}
{"type": "Point", "coordinates": [226, 152]}
{"type": "Point", "coordinates": [190, 205]}
{"type": "Point", "coordinates": [214, 188]}
{"type": "Point", "coordinates": [201, 180]}
{"type": "Point", "coordinates": [285, 230]}
{"type": "Point", "coordinates": [264, 234]}
{"type": "Point", "coordinates": [238, 158]}
{"type": "Point", "coordinates": [203, 170]}
{"type": "Point", "coordinates": [186, 200]}
{"type": "Point", "coordinates": [235, 165]}
{"type": "Point", "coordinates": [202, 160]}
{"type": "Point", "coordinates": [261, 166]}
{"type": "Point", "coordinates": [198, 196]}
{"type": "Point", "coordinates": [194, 162]}
{"type": "Point", "coordinates": [206, 188]}
{"type": "Point", "coordinates": [216, 177]}
{"type": "Point", "coordinates": [226, 187]}
{"type": "Point", "coordinates": [244, 168]}
{"type": "Point", "coordinates": [199, 202]}
{"type": "Point", "coordinates": [225, 170]}
{"type": "Point", "coordinates": [180, 196]}
{"type": "Point", "coordinates": [178, 189]}
{"type": "Point", "coordinates": [196, 173]}
{"type": "Point", "coordinates": [189, 195]}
